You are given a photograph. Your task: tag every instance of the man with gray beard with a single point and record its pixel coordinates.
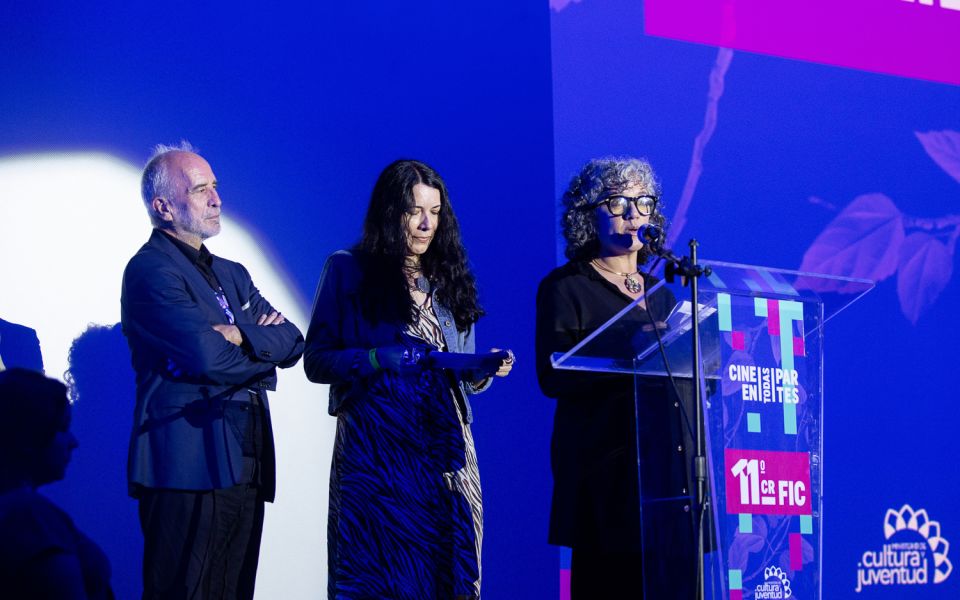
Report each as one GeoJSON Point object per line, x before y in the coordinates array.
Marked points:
{"type": "Point", "coordinates": [205, 346]}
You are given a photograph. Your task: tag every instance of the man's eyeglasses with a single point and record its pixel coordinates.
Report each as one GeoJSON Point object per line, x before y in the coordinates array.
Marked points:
{"type": "Point", "coordinates": [618, 205]}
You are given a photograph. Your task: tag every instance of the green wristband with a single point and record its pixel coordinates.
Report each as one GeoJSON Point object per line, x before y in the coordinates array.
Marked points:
{"type": "Point", "coordinates": [372, 356]}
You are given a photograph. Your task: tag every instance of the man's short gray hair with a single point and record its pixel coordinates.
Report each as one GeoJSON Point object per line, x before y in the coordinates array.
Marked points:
{"type": "Point", "coordinates": [156, 180]}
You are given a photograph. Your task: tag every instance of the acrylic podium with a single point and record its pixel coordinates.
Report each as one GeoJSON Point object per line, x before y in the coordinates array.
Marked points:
{"type": "Point", "coordinates": [762, 344]}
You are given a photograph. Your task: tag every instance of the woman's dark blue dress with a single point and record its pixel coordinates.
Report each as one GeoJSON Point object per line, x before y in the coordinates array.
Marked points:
{"type": "Point", "coordinates": [405, 517]}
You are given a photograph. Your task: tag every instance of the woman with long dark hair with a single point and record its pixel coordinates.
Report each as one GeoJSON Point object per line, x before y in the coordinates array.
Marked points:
{"type": "Point", "coordinates": [405, 515]}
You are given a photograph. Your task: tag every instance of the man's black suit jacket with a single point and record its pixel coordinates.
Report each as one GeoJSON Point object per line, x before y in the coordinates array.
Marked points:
{"type": "Point", "coordinates": [188, 374]}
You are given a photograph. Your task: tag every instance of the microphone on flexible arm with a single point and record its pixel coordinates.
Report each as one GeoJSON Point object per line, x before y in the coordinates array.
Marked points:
{"type": "Point", "coordinates": [689, 271]}
{"type": "Point", "coordinates": [653, 237]}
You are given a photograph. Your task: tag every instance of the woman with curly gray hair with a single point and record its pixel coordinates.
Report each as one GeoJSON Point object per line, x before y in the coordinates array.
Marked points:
{"type": "Point", "coordinates": [596, 501]}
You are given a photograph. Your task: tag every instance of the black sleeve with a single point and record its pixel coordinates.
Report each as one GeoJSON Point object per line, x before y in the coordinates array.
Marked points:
{"type": "Point", "coordinates": [281, 345]}
{"type": "Point", "coordinates": [559, 327]}
{"type": "Point", "coordinates": [161, 314]}
{"type": "Point", "coordinates": [326, 358]}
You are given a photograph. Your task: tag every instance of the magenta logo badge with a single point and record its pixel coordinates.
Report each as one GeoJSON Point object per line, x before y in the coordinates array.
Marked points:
{"type": "Point", "coordinates": [909, 38]}
{"type": "Point", "coordinates": [765, 482]}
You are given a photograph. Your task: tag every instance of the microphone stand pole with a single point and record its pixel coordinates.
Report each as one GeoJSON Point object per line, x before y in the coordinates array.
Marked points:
{"type": "Point", "coordinates": [689, 269]}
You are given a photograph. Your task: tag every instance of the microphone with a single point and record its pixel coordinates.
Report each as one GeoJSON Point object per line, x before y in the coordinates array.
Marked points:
{"type": "Point", "coordinates": [651, 235]}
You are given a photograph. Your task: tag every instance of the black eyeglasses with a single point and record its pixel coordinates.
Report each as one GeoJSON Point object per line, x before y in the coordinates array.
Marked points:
{"type": "Point", "coordinates": [618, 205]}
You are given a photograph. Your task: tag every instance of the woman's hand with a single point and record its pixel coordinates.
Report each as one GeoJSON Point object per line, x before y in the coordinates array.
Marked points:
{"type": "Point", "coordinates": [505, 365]}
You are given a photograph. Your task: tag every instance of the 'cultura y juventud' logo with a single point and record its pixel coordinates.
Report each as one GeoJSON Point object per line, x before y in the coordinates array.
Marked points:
{"type": "Point", "coordinates": [915, 552]}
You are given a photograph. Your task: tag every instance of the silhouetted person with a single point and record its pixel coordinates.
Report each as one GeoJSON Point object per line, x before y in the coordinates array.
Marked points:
{"type": "Point", "coordinates": [42, 553]}
{"type": "Point", "coordinates": [101, 383]}
{"type": "Point", "coordinates": [19, 347]}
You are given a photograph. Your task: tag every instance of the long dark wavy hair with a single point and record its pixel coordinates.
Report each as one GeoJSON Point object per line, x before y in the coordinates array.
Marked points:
{"type": "Point", "coordinates": [382, 249]}
{"type": "Point", "coordinates": [597, 178]}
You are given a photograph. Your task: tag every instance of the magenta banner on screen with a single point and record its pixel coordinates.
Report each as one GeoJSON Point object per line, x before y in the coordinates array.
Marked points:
{"type": "Point", "coordinates": [909, 38]}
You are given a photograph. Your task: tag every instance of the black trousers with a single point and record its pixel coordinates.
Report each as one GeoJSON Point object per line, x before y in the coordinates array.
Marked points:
{"type": "Point", "coordinates": [625, 575]}
{"type": "Point", "coordinates": [201, 545]}
{"type": "Point", "coordinates": [612, 575]}
{"type": "Point", "coordinates": [205, 545]}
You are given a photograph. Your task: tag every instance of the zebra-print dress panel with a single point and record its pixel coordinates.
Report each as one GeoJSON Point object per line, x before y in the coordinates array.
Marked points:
{"type": "Point", "coordinates": [405, 505]}
{"type": "Point", "coordinates": [465, 481]}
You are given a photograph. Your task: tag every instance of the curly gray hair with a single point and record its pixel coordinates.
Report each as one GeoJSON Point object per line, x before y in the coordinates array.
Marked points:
{"type": "Point", "coordinates": [599, 177]}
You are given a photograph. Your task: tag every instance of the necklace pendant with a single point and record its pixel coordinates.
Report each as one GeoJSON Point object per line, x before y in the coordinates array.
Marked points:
{"type": "Point", "coordinates": [632, 285]}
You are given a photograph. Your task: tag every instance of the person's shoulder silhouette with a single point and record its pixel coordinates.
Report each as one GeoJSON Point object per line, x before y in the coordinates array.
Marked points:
{"type": "Point", "coordinates": [19, 347]}
{"type": "Point", "coordinates": [42, 553]}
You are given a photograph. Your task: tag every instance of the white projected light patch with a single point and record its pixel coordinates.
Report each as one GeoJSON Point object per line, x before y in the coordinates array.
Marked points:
{"type": "Point", "coordinates": [68, 224]}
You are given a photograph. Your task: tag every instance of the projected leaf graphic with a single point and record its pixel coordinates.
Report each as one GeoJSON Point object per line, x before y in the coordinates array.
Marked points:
{"type": "Point", "coordinates": [863, 241]}
{"type": "Point", "coordinates": [872, 239]}
{"type": "Point", "coordinates": [806, 554]}
{"type": "Point", "coordinates": [752, 552]}
{"type": "Point", "coordinates": [558, 5]}
{"type": "Point", "coordinates": [944, 148]}
{"type": "Point", "coordinates": [711, 119]}
{"type": "Point", "coordinates": [926, 265]}
{"type": "Point", "coordinates": [745, 544]}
